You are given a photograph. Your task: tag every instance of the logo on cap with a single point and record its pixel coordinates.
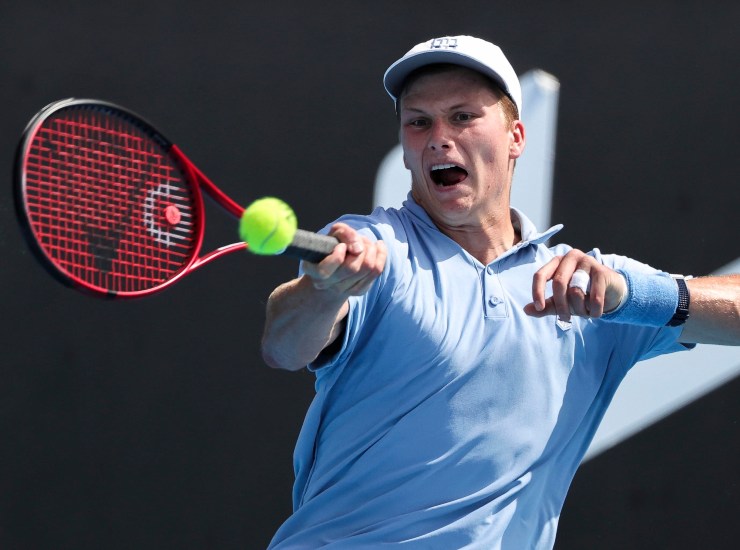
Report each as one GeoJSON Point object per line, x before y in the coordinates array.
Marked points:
{"type": "Point", "coordinates": [443, 43]}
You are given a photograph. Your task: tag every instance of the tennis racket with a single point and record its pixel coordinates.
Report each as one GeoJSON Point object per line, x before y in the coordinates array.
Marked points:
{"type": "Point", "coordinates": [113, 208]}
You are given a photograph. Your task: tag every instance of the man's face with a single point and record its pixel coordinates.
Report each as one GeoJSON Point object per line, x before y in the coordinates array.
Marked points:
{"type": "Point", "coordinates": [459, 148]}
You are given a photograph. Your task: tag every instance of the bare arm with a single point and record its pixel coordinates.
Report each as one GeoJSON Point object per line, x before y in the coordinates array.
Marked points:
{"type": "Point", "coordinates": [714, 312]}
{"type": "Point", "coordinates": [301, 321]}
{"type": "Point", "coordinates": [306, 315]}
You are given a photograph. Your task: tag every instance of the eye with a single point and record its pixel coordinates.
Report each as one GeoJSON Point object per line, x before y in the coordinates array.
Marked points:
{"type": "Point", "coordinates": [463, 117]}
{"type": "Point", "coordinates": [418, 123]}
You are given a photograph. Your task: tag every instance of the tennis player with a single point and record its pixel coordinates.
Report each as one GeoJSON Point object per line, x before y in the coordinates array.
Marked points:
{"type": "Point", "coordinates": [462, 364]}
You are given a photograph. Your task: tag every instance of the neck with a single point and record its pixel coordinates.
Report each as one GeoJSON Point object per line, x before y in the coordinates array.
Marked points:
{"type": "Point", "coordinates": [485, 242]}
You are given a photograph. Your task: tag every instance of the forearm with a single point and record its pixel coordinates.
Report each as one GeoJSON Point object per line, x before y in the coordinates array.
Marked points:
{"type": "Point", "coordinates": [301, 321]}
{"type": "Point", "coordinates": [714, 313]}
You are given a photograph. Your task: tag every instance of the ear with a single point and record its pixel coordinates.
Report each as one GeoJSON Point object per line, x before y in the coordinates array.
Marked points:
{"type": "Point", "coordinates": [518, 139]}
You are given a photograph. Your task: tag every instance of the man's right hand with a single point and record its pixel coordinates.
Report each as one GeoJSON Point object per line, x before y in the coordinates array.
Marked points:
{"type": "Point", "coordinates": [353, 265]}
{"type": "Point", "coordinates": [306, 315]}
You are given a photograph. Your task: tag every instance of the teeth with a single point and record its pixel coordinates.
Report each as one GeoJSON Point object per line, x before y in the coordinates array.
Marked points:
{"type": "Point", "coordinates": [442, 166]}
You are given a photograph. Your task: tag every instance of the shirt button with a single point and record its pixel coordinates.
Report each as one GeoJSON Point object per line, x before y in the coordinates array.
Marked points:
{"type": "Point", "coordinates": [494, 300]}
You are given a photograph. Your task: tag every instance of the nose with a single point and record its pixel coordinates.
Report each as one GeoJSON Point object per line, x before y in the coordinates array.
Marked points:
{"type": "Point", "coordinates": [439, 137]}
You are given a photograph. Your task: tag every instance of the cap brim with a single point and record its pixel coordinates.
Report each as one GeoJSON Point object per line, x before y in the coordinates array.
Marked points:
{"type": "Point", "coordinates": [397, 73]}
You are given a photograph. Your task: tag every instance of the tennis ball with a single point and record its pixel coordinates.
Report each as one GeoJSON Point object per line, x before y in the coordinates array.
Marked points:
{"type": "Point", "coordinates": [268, 226]}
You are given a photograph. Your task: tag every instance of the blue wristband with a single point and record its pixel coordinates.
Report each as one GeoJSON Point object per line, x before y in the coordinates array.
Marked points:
{"type": "Point", "coordinates": [651, 300]}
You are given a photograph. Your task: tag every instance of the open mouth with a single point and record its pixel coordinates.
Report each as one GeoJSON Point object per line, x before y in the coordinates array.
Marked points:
{"type": "Point", "coordinates": [447, 174]}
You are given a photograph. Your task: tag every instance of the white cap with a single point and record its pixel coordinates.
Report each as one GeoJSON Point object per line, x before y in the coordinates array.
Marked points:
{"type": "Point", "coordinates": [466, 51]}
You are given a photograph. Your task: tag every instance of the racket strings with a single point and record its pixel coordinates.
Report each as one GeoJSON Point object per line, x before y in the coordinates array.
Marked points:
{"type": "Point", "coordinates": [98, 189]}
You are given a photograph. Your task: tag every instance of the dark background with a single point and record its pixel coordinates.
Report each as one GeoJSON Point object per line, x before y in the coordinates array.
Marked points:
{"type": "Point", "coordinates": [155, 424]}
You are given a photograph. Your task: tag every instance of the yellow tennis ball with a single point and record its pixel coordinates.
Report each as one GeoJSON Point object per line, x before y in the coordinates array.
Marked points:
{"type": "Point", "coordinates": [268, 226]}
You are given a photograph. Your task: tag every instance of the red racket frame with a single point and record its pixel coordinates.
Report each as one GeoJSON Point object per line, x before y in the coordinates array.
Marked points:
{"type": "Point", "coordinates": [305, 245]}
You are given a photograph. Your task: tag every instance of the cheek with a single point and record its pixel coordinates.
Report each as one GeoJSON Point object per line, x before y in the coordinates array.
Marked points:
{"type": "Point", "coordinates": [495, 153]}
{"type": "Point", "coordinates": [411, 159]}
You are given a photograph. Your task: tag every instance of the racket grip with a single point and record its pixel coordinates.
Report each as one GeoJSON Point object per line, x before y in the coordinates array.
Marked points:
{"type": "Point", "coordinates": [312, 247]}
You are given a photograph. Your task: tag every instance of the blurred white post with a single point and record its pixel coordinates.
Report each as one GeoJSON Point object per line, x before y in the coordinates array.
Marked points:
{"type": "Point", "coordinates": [531, 191]}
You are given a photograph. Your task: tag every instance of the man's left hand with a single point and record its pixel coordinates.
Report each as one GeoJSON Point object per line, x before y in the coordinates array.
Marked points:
{"type": "Point", "coordinates": [603, 292]}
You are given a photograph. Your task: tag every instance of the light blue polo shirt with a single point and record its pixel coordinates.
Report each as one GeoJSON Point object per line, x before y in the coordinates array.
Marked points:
{"type": "Point", "coordinates": [449, 418]}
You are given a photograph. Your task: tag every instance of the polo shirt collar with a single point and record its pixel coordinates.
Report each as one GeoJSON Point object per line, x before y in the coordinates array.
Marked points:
{"type": "Point", "coordinates": [528, 231]}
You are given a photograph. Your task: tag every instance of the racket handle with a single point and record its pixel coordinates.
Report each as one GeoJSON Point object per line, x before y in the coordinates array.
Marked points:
{"type": "Point", "coordinates": [312, 247]}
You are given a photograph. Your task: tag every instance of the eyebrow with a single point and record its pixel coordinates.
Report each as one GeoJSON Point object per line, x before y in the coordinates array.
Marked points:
{"type": "Point", "coordinates": [455, 107]}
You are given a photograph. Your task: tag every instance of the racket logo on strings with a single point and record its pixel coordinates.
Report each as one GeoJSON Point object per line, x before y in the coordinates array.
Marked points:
{"type": "Point", "coordinates": [167, 220]}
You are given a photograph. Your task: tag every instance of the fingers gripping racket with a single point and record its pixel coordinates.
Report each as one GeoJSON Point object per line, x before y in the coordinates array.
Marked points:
{"type": "Point", "coordinates": [111, 207]}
